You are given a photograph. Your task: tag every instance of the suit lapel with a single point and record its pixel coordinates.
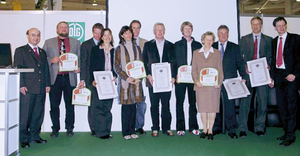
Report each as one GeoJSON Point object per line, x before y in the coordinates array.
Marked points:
{"type": "Point", "coordinates": [286, 45]}
{"type": "Point", "coordinates": [251, 43]}
{"type": "Point", "coordinates": [155, 50]}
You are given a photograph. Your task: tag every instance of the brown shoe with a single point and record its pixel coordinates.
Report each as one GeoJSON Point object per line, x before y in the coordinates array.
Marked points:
{"type": "Point", "coordinates": [154, 133]}
{"type": "Point", "coordinates": [169, 133]}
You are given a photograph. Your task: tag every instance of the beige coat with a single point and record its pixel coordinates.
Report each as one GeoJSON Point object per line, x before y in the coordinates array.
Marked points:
{"type": "Point", "coordinates": [208, 98]}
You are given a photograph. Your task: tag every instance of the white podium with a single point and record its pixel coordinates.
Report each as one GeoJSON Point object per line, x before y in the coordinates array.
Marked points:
{"type": "Point", "coordinates": [9, 110]}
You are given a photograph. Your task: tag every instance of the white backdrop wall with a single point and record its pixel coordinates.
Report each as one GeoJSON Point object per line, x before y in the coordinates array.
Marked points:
{"type": "Point", "coordinates": [14, 24]}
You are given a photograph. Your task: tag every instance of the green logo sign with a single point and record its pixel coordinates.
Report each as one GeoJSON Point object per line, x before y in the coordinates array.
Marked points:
{"type": "Point", "coordinates": [76, 30]}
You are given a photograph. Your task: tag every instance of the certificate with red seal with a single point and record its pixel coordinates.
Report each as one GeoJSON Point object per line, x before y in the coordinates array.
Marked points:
{"type": "Point", "coordinates": [184, 74]}
{"type": "Point", "coordinates": [81, 97]}
{"type": "Point", "coordinates": [68, 62]}
{"type": "Point", "coordinates": [135, 69]}
{"type": "Point", "coordinates": [209, 77]}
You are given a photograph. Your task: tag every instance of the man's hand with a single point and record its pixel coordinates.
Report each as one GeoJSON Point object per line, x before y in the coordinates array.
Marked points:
{"type": "Point", "coordinates": [23, 90]}
{"type": "Point", "coordinates": [243, 80]}
{"type": "Point", "coordinates": [94, 83]}
{"type": "Point", "coordinates": [290, 77]}
{"type": "Point", "coordinates": [77, 71]}
{"type": "Point", "coordinates": [48, 89]}
{"type": "Point", "coordinates": [150, 79]}
{"type": "Point", "coordinates": [55, 59]}
{"type": "Point", "coordinates": [247, 71]}
{"type": "Point", "coordinates": [81, 84]}
{"type": "Point", "coordinates": [271, 85]}
{"type": "Point", "coordinates": [173, 81]}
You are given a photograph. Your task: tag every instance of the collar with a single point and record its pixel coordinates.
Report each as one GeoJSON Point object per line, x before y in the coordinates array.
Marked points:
{"type": "Point", "coordinates": [210, 50]}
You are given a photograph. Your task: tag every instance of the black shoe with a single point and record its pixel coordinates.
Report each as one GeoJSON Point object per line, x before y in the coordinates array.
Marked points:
{"type": "Point", "coordinates": [260, 133]}
{"type": "Point", "coordinates": [210, 137]}
{"type": "Point", "coordinates": [106, 137]}
{"type": "Point", "coordinates": [25, 144]}
{"type": "Point", "coordinates": [287, 142]}
{"type": "Point", "coordinates": [217, 131]}
{"type": "Point", "coordinates": [93, 133]}
{"type": "Point", "coordinates": [203, 135]}
{"type": "Point", "coordinates": [141, 131]}
{"type": "Point", "coordinates": [243, 134]}
{"type": "Point", "coordinates": [39, 141]}
{"type": "Point", "coordinates": [54, 134]}
{"type": "Point", "coordinates": [70, 132]}
{"type": "Point", "coordinates": [281, 138]}
{"type": "Point", "coordinates": [232, 135]}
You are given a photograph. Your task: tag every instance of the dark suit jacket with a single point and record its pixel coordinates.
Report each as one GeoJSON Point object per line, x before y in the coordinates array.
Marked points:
{"type": "Point", "coordinates": [97, 62]}
{"type": "Point", "coordinates": [85, 52]}
{"type": "Point", "coordinates": [291, 53]}
{"type": "Point", "coordinates": [151, 55]}
{"type": "Point", "coordinates": [232, 61]}
{"type": "Point", "coordinates": [37, 81]}
{"type": "Point", "coordinates": [247, 48]}
{"type": "Point", "coordinates": [181, 51]}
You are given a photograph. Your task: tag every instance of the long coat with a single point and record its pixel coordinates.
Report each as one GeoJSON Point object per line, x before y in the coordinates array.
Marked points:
{"type": "Point", "coordinates": [208, 98]}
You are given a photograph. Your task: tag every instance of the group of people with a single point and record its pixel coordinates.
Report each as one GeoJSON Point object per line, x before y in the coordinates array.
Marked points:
{"type": "Point", "coordinates": [99, 54]}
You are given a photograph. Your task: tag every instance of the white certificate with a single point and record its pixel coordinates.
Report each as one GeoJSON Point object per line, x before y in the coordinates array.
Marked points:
{"type": "Point", "coordinates": [106, 87]}
{"type": "Point", "coordinates": [184, 74]}
{"type": "Point", "coordinates": [161, 74]}
{"type": "Point", "coordinates": [235, 88]}
{"type": "Point", "coordinates": [68, 62]}
{"type": "Point", "coordinates": [135, 69]}
{"type": "Point", "coordinates": [259, 72]}
{"type": "Point", "coordinates": [209, 77]}
{"type": "Point", "coordinates": [81, 97]}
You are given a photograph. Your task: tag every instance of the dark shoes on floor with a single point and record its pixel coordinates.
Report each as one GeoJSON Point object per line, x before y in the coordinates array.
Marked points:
{"type": "Point", "coordinates": [70, 132]}
{"type": "Point", "coordinates": [155, 133]}
{"type": "Point", "coordinates": [281, 138]}
{"type": "Point", "coordinates": [287, 142]}
{"type": "Point", "coordinates": [169, 133]}
{"type": "Point", "coordinates": [93, 133]}
{"type": "Point", "coordinates": [260, 133]}
{"type": "Point", "coordinates": [25, 144]}
{"type": "Point", "coordinates": [232, 135]}
{"type": "Point", "coordinates": [210, 137]}
{"type": "Point", "coordinates": [106, 137]}
{"type": "Point", "coordinates": [217, 131]}
{"type": "Point", "coordinates": [39, 141]}
{"type": "Point", "coordinates": [243, 134]}
{"type": "Point", "coordinates": [54, 134]}
{"type": "Point", "coordinates": [141, 131]}
{"type": "Point", "coordinates": [203, 135]}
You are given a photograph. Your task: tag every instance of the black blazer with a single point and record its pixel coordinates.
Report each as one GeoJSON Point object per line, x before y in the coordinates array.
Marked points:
{"type": "Point", "coordinates": [85, 52]}
{"type": "Point", "coordinates": [151, 55]}
{"type": "Point", "coordinates": [97, 62]}
{"type": "Point", "coordinates": [291, 56]}
{"type": "Point", "coordinates": [37, 81]}
{"type": "Point", "coordinates": [232, 61]}
{"type": "Point", "coordinates": [181, 51]}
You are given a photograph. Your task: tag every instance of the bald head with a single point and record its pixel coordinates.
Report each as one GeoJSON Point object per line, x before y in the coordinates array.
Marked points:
{"type": "Point", "coordinates": [33, 36]}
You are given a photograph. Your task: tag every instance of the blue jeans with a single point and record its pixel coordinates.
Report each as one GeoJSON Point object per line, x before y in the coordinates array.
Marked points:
{"type": "Point", "coordinates": [140, 114]}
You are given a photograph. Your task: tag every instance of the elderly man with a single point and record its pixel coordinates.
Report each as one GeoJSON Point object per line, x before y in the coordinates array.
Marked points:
{"type": "Point", "coordinates": [34, 87]}
{"type": "Point", "coordinates": [61, 82]}
{"type": "Point", "coordinates": [159, 50]}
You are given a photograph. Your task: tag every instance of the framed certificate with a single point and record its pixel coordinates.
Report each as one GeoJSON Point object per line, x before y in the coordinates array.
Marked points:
{"type": "Point", "coordinates": [184, 74]}
{"type": "Point", "coordinates": [135, 69]}
{"type": "Point", "coordinates": [68, 62]}
{"type": "Point", "coordinates": [235, 88]}
{"type": "Point", "coordinates": [81, 97]}
{"type": "Point", "coordinates": [209, 77]}
{"type": "Point", "coordinates": [106, 87]}
{"type": "Point", "coordinates": [259, 72]}
{"type": "Point", "coordinates": [161, 74]}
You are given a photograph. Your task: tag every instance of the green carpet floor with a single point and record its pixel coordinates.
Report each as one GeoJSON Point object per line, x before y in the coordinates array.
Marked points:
{"type": "Point", "coordinates": [82, 144]}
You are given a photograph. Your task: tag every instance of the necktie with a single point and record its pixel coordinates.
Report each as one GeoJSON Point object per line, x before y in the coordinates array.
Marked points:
{"type": "Point", "coordinates": [279, 54]}
{"type": "Point", "coordinates": [62, 46]}
{"type": "Point", "coordinates": [255, 47]}
{"type": "Point", "coordinates": [36, 53]}
{"type": "Point", "coordinates": [222, 50]}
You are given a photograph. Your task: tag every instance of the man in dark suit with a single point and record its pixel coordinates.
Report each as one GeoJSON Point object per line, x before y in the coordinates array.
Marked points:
{"type": "Point", "coordinates": [61, 82]}
{"type": "Point", "coordinates": [254, 46]}
{"type": "Point", "coordinates": [136, 25]}
{"type": "Point", "coordinates": [285, 71]}
{"type": "Point", "coordinates": [232, 62]}
{"type": "Point", "coordinates": [159, 50]}
{"type": "Point", "coordinates": [33, 88]}
{"type": "Point", "coordinates": [184, 53]}
{"type": "Point", "coordinates": [85, 51]}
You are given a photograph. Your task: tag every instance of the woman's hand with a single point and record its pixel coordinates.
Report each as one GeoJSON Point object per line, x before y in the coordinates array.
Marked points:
{"type": "Point", "coordinates": [199, 84]}
{"type": "Point", "coordinates": [217, 86]}
{"type": "Point", "coordinates": [133, 80]}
